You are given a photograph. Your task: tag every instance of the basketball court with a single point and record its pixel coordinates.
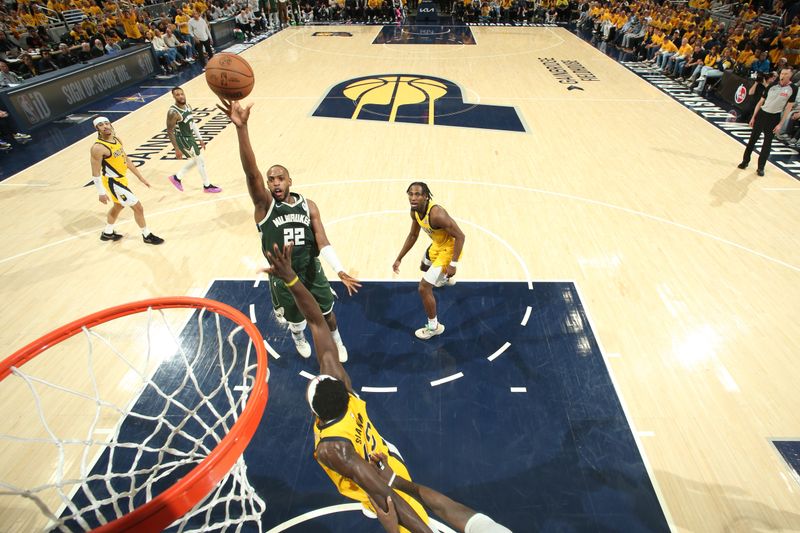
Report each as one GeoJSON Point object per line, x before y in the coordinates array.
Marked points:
{"type": "Point", "coordinates": [621, 347]}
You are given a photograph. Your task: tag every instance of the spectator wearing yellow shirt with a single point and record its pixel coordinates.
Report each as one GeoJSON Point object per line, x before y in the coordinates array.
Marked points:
{"type": "Point", "coordinates": [129, 22]}
{"type": "Point", "coordinates": [654, 45]}
{"type": "Point", "coordinates": [182, 23]}
{"type": "Point", "coordinates": [682, 54]}
{"type": "Point", "coordinates": [668, 49]}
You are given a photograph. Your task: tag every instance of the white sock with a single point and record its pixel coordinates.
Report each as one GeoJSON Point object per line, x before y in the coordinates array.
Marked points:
{"type": "Point", "coordinates": [185, 168]}
{"type": "Point", "coordinates": [201, 166]}
{"type": "Point", "coordinates": [109, 229]}
{"type": "Point", "coordinates": [433, 323]}
{"type": "Point", "coordinates": [145, 231]}
{"type": "Point", "coordinates": [297, 330]}
{"type": "Point", "coordinates": [336, 337]}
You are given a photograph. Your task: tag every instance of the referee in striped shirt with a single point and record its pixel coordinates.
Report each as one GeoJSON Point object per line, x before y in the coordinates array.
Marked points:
{"type": "Point", "coordinates": [777, 101]}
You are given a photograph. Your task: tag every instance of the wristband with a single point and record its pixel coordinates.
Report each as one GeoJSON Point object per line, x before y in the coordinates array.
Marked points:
{"type": "Point", "coordinates": [99, 185]}
{"type": "Point", "coordinates": [391, 480]}
{"type": "Point", "coordinates": [329, 255]}
{"type": "Point", "coordinates": [454, 264]}
{"type": "Point", "coordinates": [295, 280]}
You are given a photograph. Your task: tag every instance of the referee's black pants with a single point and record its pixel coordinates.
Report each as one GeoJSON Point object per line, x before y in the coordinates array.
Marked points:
{"type": "Point", "coordinates": [765, 123]}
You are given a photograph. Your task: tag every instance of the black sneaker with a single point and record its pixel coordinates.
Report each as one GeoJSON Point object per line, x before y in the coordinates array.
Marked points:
{"type": "Point", "coordinates": [113, 236]}
{"type": "Point", "coordinates": [152, 239]}
{"type": "Point", "coordinates": [760, 171]}
{"type": "Point", "coordinates": [742, 165]}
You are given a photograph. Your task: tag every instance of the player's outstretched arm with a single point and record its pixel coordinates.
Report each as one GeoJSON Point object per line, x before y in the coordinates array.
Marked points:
{"type": "Point", "coordinates": [281, 265]}
{"type": "Point", "coordinates": [342, 457]}
{"type": "Point", "coordinates": [135, 171]}
{"type": "Point", "coordinates": [454, 513]}
{"type": "Point", "coordinates": [442, 220]}
{"type": "Point", "coordinates": [255, 180]}
{"type": "Point", "coordinates": [327, 252]}
{"type": "Point", "coordinates": [413, 234]}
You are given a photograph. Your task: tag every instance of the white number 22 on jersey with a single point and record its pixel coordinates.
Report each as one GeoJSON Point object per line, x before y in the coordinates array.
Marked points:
{"type": "Point", "coordinates": [295, 235]}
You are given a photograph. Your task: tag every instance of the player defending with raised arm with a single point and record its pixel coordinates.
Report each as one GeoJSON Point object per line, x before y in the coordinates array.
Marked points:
{"type": "Point", "coordinates": [438, 263]}
{"type": "Point", "coordinates": [187, 141]}
{"type": "Point", "coordinates": [110, 166]}
{"type": "Point", "coordinates": [456, 514]}
{"type": "Point", "coordinates": [344, 436]}
{"type": "Point", "coordinates": [282, 218]}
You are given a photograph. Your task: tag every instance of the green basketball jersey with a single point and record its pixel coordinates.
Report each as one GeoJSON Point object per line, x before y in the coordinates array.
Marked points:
{"type": "Point", "coordinates": [286, 223]}
{"type": "Point", "coordinates": [185, 123]}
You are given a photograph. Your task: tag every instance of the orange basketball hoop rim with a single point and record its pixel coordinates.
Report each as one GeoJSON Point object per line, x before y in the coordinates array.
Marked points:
{"type": "Point", "coordinates": [176, 501]}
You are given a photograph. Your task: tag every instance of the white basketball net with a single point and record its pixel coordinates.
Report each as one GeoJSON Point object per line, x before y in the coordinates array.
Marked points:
{"type": "Point", "coordinates": [179, 409]}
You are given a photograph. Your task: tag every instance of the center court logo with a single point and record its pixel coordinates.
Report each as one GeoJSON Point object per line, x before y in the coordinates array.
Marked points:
{"type": "Point", "coordinates": [416, 99]}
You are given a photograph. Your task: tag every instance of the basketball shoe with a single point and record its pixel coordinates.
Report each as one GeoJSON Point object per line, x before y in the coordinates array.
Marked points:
{"type": "Point", "coordinates": [303, 348]}
{"type": "Point", "coordinates": [426, 333]}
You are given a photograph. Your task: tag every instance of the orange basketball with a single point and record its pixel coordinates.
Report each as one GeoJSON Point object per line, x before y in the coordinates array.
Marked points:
{"type": "Point", "coordinates": [229, 76]}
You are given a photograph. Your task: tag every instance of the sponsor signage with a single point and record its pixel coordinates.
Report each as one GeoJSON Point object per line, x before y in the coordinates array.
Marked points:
{"type": "Point", "coordinates": [568, 72]}
{"type": "Point", "coordinates": [41, 101]}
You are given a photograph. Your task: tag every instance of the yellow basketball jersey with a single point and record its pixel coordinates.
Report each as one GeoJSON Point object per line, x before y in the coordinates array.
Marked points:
{"type": "Point", "coordinates": [356, 427]}
{"type": "Point", "coordinates": [438, 236]}
{"type": "Point", "coordinates": [114, 166]}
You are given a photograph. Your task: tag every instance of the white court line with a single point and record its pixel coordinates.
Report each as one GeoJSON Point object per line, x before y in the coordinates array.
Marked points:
{"type": "Point", "coordinates": [341, 508]}
{"type": "Point", "coordinates": [461, 220]}
{"type": "Point", "coordinates": [271, 350]}
{"type": "Point", "coordinates": [378, 389]}
{"type": "Point", "coordinates": [646, 433]}
{"type": "Point", "coordinates": [253, 313]}
{"type": "Point", "coordinates": [519, 389]}
{"type": "Point", "coordinates": [454, 377]}
{"type": "Point", "coordinates": [526, 317]}
{"type": "Point", "coordinates": [637, 436]}
{"type": "Point", "coordinates": [373, 182]}
{"type": "Point", "coordinates": [499, 351]}
{"type": "Point", "coordinates": [306, 375]}
{"type": "Point", "coordinates": [614, 355]}
{"type": "Point", "coordinates": [257, 282]}
{"type": "Point", "coordinates": [104, 111]}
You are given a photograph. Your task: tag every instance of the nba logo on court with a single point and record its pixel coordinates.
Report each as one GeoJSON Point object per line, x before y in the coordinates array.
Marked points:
{"type": "Point", "coordinates": [416, 99]}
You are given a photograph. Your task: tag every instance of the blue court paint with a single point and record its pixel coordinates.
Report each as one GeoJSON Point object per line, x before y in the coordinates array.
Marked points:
{"type": "Point", "coordinates": [559, 457]}
{"type": "Point", "coordinates": [790, 450]}
{"type": "Point", "coordinates": [423, 34]}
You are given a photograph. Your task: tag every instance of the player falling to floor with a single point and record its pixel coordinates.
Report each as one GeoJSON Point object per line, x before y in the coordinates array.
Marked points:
{"type": "Point", "coordinates": [437, 263]}
{"type": "Point", "coordinates": [345, 437]}
{"type": "Point", "coordinates": [187, 141]}
{"type": "Point", "coordinates": [110, 167]}
{"type": "Point", "coordinates": [284, 217]}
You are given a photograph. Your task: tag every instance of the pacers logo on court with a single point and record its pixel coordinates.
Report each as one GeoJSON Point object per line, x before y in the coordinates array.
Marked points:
{"type": "Point", "coordinates": [413, 98]}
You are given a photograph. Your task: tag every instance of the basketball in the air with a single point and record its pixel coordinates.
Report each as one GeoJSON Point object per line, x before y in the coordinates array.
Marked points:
{"type": "Point", "coordinates": [229, 76]}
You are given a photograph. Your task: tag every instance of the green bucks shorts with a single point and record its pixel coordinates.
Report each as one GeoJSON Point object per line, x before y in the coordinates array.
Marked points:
{"type": "Point", "coordinates": [315, 281]}
{"type": "Point", "coordinates": [188, 146]}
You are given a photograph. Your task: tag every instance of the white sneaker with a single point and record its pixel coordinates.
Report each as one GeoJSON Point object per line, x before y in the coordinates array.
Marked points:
{"type": "Point", "coordinates": [303, 348]}
{"type": "Point", "coordinates": [426, 333]}
{"type": "Point", "coordinates": [342, 352]}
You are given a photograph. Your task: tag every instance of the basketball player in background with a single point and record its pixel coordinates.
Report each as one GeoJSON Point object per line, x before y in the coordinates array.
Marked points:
{"type": "Point", "coordinates": [282, 218]}
{"type": "Point", "coordinates": [110, 166]}
{"type": "Point", "coordinates": [345, 438]}
{"type": "Point", "coordinates": [187, 141]}
{"type": "Point", "coordinates": [441, 258]}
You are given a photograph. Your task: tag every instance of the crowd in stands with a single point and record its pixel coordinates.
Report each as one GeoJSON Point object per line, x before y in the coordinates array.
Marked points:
{"type": "Point", "coordinates": [696, 43]}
